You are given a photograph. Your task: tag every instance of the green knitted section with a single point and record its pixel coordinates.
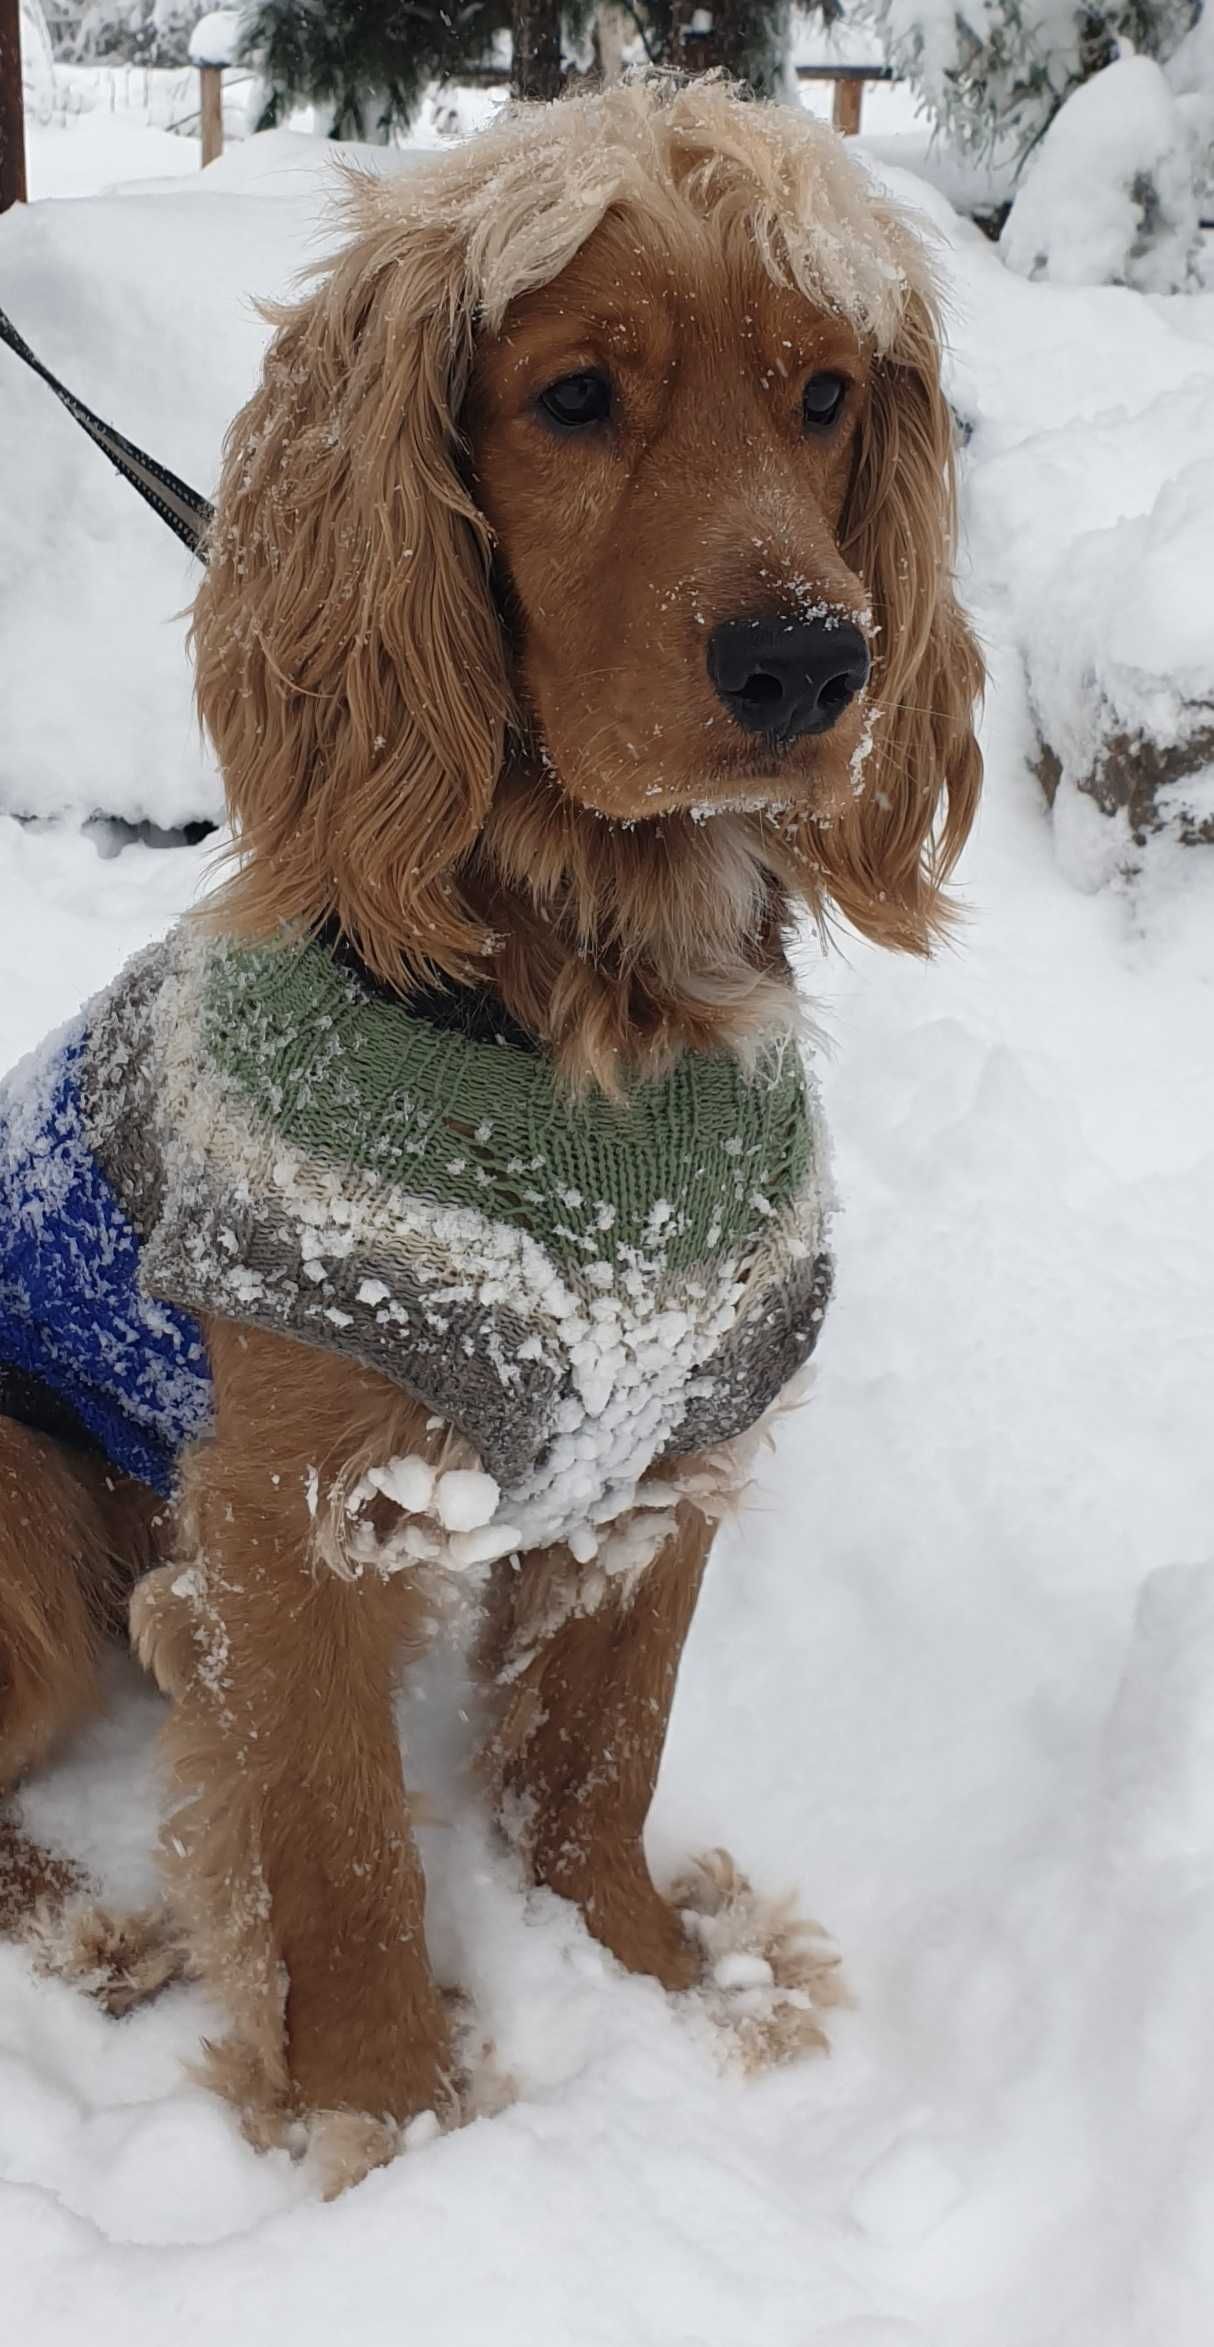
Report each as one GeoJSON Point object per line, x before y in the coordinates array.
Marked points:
{"type": "Point", "coordinates": [687, 1169]}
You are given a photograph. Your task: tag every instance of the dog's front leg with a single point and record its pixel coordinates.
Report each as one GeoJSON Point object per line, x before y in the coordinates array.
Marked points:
{"type": "Point", "coordinates": [582, 1724]}
{"type": "Point", "coordinates": [291, 1844]}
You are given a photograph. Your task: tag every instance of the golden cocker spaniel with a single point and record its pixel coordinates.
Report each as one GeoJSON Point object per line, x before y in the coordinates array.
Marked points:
{"type": "Point", "coordinates": [578, 615]}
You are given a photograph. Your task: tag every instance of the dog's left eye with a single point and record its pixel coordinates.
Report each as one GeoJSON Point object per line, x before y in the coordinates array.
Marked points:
{"type": "Point", "coordinates": [822, 399]}
{"type": "Point", "coordinates": [577, 400]}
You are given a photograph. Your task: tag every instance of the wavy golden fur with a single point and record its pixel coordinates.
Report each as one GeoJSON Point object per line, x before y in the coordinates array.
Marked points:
{"type": "Point", "coordinates": [388, 768]}
{"type": "Point", "coordinates": [454, 665]}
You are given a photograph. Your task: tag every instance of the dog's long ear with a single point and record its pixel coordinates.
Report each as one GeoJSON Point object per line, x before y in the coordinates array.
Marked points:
{"type": "Point", "coordinates": [885, 860]}
{"type": "Point", "coordinates": [350, 664]}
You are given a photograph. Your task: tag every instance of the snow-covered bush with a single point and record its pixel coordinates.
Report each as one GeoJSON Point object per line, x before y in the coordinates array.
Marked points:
{"type": "Point", "coordinates": [991, 70]}
{"type": "Point", "coordinates": [1110, 197]}
{"type": "Point", "coordinates": [1190, 72]}
{"type": "Point", "coordinates": [37, 63]}
{"type": "Point", "coordinates": [1090, 541]}
{"type": "Point", "coordinates": [143, 32]}
{"type": "Point", "coordinates": [363, 66]}
{"type": "Point", "coordinates": [1121, 664]}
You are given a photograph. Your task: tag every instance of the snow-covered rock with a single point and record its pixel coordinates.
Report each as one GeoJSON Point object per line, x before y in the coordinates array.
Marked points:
{"type": "Point", "coordinates": [1110, 198]}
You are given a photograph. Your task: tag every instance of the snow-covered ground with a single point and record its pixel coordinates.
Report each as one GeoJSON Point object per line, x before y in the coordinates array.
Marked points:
{"type": "Point", "coordinates": [953, 1676]}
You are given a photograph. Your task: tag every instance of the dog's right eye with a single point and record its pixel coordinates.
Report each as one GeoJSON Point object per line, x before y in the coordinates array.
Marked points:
{"type": "Point", "coordinates": [577, 400]}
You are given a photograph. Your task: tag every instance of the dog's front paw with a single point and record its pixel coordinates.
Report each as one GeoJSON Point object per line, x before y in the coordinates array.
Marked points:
{"type": "Point", "coordinates": [336, 2148]}
{"type": "Point", "coordinates": [765, 1974]}
{"type": "Point", "coordinates": [345, 2146]}
{"type": "Point", "coordinates": [341, 2147]}
{"type": "Point", "coordinates": [338, 2144]}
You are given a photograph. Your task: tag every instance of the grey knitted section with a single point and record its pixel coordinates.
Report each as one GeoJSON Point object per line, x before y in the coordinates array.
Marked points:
{"type": "Point", "coordinates": [438, 1342]}
{"type": "Point", "coordinates": [119, 1087]}
{"type": "Point", "coordinates": [759, 1357]}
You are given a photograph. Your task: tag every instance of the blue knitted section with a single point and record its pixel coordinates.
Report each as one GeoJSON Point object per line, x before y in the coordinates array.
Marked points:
{"type": "Point", "coordinates": [71, 1310]}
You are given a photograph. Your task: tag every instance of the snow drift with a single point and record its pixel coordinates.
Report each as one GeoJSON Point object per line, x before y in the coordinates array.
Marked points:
{"type": "Point", "coordinates": [142, 303]}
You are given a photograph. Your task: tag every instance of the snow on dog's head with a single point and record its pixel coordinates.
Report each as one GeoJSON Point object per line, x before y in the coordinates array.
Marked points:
{"type": "Point", "coordinates": [527, 195]}
{"type": "Point", "coordinates": [581, 568]}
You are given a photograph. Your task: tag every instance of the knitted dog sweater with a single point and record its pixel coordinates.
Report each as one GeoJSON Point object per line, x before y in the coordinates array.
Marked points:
{"type": "Point", "coordinates": [580, 1287]}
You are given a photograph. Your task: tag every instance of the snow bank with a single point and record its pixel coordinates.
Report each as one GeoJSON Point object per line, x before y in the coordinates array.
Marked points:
{"type": "Point", "coordinates": [1110, 197]}
{"type": "Point", "coordinates": [143, 303]}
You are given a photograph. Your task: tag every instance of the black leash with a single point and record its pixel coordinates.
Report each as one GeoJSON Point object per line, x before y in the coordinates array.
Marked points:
{"type": "Point", "coordinates": [187, 514]}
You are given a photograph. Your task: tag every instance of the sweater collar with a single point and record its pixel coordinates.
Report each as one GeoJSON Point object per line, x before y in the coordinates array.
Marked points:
{"type": "Point", "coordinates": [474, 1012]}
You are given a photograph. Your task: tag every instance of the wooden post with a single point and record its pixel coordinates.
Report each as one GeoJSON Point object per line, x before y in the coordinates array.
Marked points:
{"type": "Point", "coordinates": [846, 105]}
{"type": "Point", "coordinates": [210, 78]}
{"type": "Point", "coordinates": [536, 37]}
{"type": "Point", "coordinates": [12, 108]}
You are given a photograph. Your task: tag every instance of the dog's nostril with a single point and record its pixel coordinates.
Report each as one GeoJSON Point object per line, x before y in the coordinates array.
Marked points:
{"type": "Point", "coordinates": [760, 688]}
{"type": "Point", "coordinates": [787, 677]}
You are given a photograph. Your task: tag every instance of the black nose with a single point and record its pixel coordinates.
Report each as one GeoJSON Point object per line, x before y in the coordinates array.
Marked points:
{"type": "Point", "coordinates": [786, 677]}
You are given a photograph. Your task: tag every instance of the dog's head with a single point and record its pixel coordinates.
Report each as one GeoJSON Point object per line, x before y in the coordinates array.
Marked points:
{"type": "Point", "coordinates": [604, 474]}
